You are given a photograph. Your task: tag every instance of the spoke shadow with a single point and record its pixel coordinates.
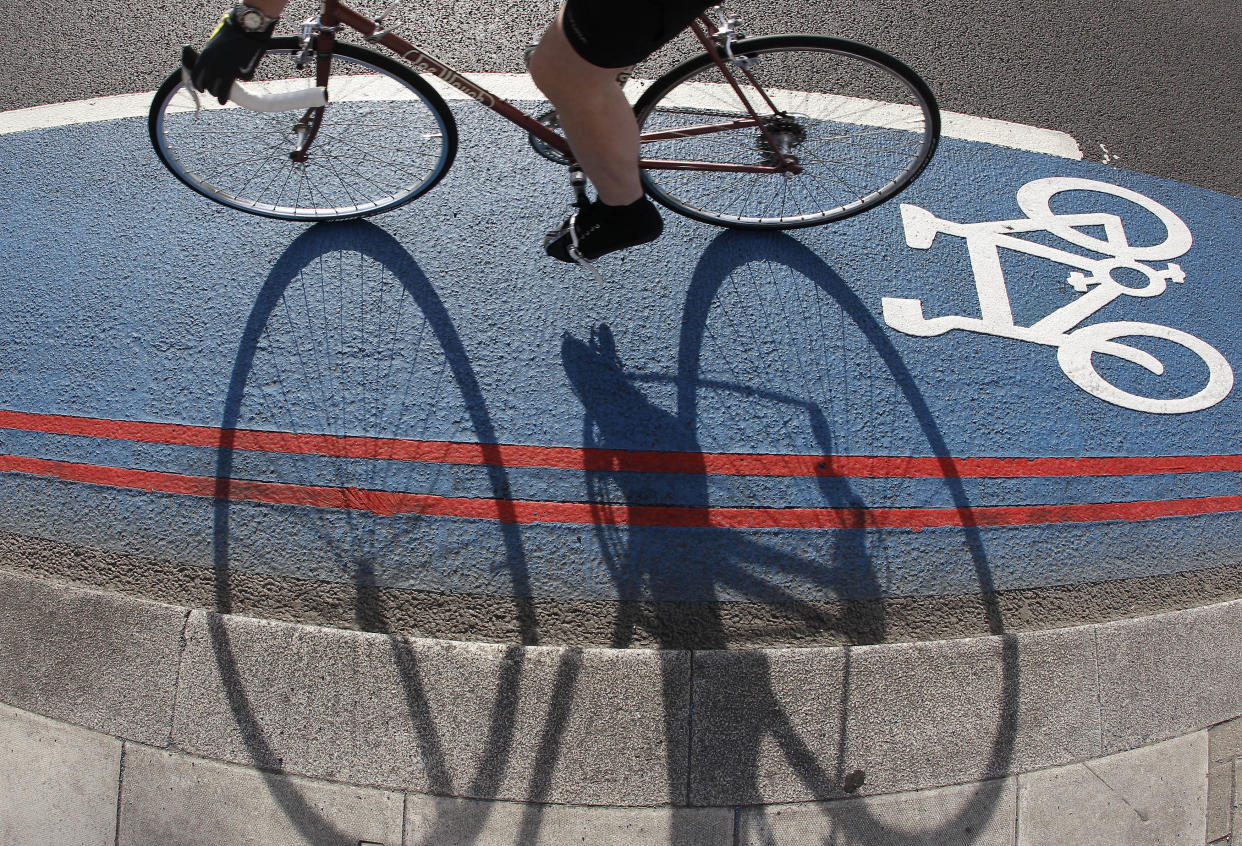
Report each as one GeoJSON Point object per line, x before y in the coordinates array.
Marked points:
{"type": "Point", "coordinates": [303, 354]}
{"type": "Point", "coordinates": [711, 562]}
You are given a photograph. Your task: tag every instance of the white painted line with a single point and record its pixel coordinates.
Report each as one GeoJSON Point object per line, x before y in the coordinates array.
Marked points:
{"type": "Point", "coordinates": [513, 86]}
{"type": "Point", "coordinates": [1002, 133]}
{"type": "Point", "coordinates": [81, 111]}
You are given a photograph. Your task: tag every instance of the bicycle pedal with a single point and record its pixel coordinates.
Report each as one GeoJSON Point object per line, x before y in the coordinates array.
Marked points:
{"type": "Point", "coordinates": [582, 262]}
{"type": "Point", "coordinates": [578, 181]}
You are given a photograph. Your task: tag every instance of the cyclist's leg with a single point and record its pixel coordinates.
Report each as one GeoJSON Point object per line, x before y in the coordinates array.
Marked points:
{"type": "Point", "coordinates": [594, 114]}
{"type": "Point", "coordinates": [577, 65]}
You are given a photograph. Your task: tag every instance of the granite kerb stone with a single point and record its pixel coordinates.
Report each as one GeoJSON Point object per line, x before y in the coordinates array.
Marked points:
{"type": "Point", "coordinates": [444, 718]}
{"type": "Point", "coordinates": [611, 727]}
{"type": "Point", "coordinates": [1170, 674]}
{"type": "Point", "coordinates": [802, 725]}
{"type": "Point", "coordinates": [90, 658]}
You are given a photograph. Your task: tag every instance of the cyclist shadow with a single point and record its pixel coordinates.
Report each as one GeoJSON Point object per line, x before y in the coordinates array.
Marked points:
{"type": "Point", "coordinates": [293, 347]}
{"type": "Point", "coordinates": [707, 565]}
{"type": "Point", "coordinates": [670, 578]}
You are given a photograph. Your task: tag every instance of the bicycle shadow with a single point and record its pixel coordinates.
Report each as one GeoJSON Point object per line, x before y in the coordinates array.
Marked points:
{"type": "Point", "coordinates": [713, 562]}
{"type": "Point", "coordinates": [606, 389]}
{"type": "Point", "coordinates": [271, 388]}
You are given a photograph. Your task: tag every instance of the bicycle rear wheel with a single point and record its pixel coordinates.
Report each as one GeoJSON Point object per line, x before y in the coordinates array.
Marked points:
{"type": "Point", "coordinates": [385, 138]}
{"type": "Point", "coordinates": [861, 124]}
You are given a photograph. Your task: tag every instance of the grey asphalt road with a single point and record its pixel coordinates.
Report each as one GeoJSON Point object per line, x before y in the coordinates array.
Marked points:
{"type": "Point", "coordinates": [1152, 87]}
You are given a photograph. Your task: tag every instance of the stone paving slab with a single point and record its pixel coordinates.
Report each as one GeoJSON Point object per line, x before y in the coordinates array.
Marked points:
{"type": "Point", "coordinates": [432, 821]}
{"type": "Point", "coordinates": [1154, 796]}
{"type": "Point", "coordinates": [1224, 753]}
{"type": "Point", "coordinates": [58, 782]}
{"type": "Point", "coordinates": [1225, 741]}
{"type": "Point", "coordinates": [1237, 798]}
{"type": "Point", "coordinates": [60, 785]}
{"type": "Point", "coordinates": [1170, 674]}
{"type": "Point", "coordinates": [1220, 801]}
{"type": "Point", "coordinates": [812, 724]}
{"type": "Point", "coordinates": [437, 717]}
{"type": "Point", "coordinates": [965, 815]}
{"type": "Point", "coordinates": [90, 658]}
{"type": "Point", "coordinates": [170, 798]}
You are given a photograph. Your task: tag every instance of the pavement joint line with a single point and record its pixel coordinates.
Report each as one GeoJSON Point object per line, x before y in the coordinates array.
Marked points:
{"type": "Point", "coordinates": [405, 816]}
{"type": "Point", "coordinates": [1001, 133]}
{"type": "Point", "coordinates": [176, 696]}
{"type": "Point", "coordinates": [1017, 804]}
{"type": "Point", "coordinates": [120, 788]}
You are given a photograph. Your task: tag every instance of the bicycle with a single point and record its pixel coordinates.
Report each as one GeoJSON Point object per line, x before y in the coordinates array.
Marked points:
{"type": "Point", "coordinates": [774, 132]}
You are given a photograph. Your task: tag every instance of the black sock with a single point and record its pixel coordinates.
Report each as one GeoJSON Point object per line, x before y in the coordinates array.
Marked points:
{"type": "Point", "coordinates": [603, 229]}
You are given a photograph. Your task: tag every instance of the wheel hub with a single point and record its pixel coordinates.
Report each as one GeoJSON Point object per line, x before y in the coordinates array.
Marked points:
{"type": "Point", "coordinates": [786, 135]}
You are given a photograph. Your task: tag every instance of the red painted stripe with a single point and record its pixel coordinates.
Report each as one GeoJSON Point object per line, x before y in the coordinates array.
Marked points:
{"type": "Point", "coordinates": [516, 455]}
{"type": "Point", "coordinates": [526, 511]}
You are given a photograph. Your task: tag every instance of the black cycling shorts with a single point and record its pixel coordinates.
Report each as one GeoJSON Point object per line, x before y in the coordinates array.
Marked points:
{"type": "Point", "coordinates": [620, 33]}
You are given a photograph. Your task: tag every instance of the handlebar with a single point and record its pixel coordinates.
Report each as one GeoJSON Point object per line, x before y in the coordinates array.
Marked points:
{"type": "Point", "coordinates": [277, 101]}
{"type": "Point", "coordinates": [281, 101]}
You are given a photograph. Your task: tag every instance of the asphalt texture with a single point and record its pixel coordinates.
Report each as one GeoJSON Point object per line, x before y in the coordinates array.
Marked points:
{"type": "Point", "coordinates": [1152, 87]}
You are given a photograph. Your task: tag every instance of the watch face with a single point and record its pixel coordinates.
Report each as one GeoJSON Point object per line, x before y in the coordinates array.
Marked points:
{"type": "Point", "coordinates": [251, 20]}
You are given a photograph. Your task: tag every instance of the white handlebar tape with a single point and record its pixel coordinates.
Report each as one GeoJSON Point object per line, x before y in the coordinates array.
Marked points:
{"type": "Point", "coordinates": [284, 101]}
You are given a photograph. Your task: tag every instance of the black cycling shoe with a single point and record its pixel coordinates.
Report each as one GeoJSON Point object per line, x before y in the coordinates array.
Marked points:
{"type": "Point", "coordinates": [600, 229]}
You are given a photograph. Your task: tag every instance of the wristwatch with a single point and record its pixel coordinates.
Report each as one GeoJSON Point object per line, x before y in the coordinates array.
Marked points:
{"type": "Point", "coordinates": [251, 19]}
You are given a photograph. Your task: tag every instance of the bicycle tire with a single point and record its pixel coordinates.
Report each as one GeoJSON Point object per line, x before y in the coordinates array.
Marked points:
{"type": "Point", "coordinates": [385, 139]}
{"type": "Point", "coordinates": [862, 124]}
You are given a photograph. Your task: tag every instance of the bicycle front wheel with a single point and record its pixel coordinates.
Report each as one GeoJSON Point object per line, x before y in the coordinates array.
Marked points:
{"type": "Point", "coordinates": [860, 124]}
{"type": "Point", "coordinates": [384, 138]}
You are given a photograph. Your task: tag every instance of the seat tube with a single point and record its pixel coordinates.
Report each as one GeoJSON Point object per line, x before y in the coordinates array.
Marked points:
{"type": "Point", "coordinates": [325, 40]}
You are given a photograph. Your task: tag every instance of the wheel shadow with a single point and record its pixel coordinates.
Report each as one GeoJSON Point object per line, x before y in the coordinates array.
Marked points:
{"type": "Point", "coordinates": [712, 564]}
{"type": "Point", "coordinates": [292, 373]}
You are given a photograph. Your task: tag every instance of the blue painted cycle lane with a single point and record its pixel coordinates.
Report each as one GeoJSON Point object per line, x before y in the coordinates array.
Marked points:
{"type": "Point", "coordinates": [425, 401]}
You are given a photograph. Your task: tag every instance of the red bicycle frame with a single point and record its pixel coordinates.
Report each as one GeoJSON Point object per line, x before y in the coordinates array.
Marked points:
{"type": "Point", "coordinates": [336, 14]}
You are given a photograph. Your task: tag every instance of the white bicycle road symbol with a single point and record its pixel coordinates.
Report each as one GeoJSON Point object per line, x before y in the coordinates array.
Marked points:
{"type": "Point", "coordinates": [1095, 279]}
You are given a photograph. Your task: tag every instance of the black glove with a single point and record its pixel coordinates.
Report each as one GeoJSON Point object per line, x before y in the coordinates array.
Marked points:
{"type": "Point", "coordinates": [231, 54]}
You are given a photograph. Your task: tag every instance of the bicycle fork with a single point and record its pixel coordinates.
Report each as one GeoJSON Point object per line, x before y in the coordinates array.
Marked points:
{"type": "Point", "coordinates": [323, 37]}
